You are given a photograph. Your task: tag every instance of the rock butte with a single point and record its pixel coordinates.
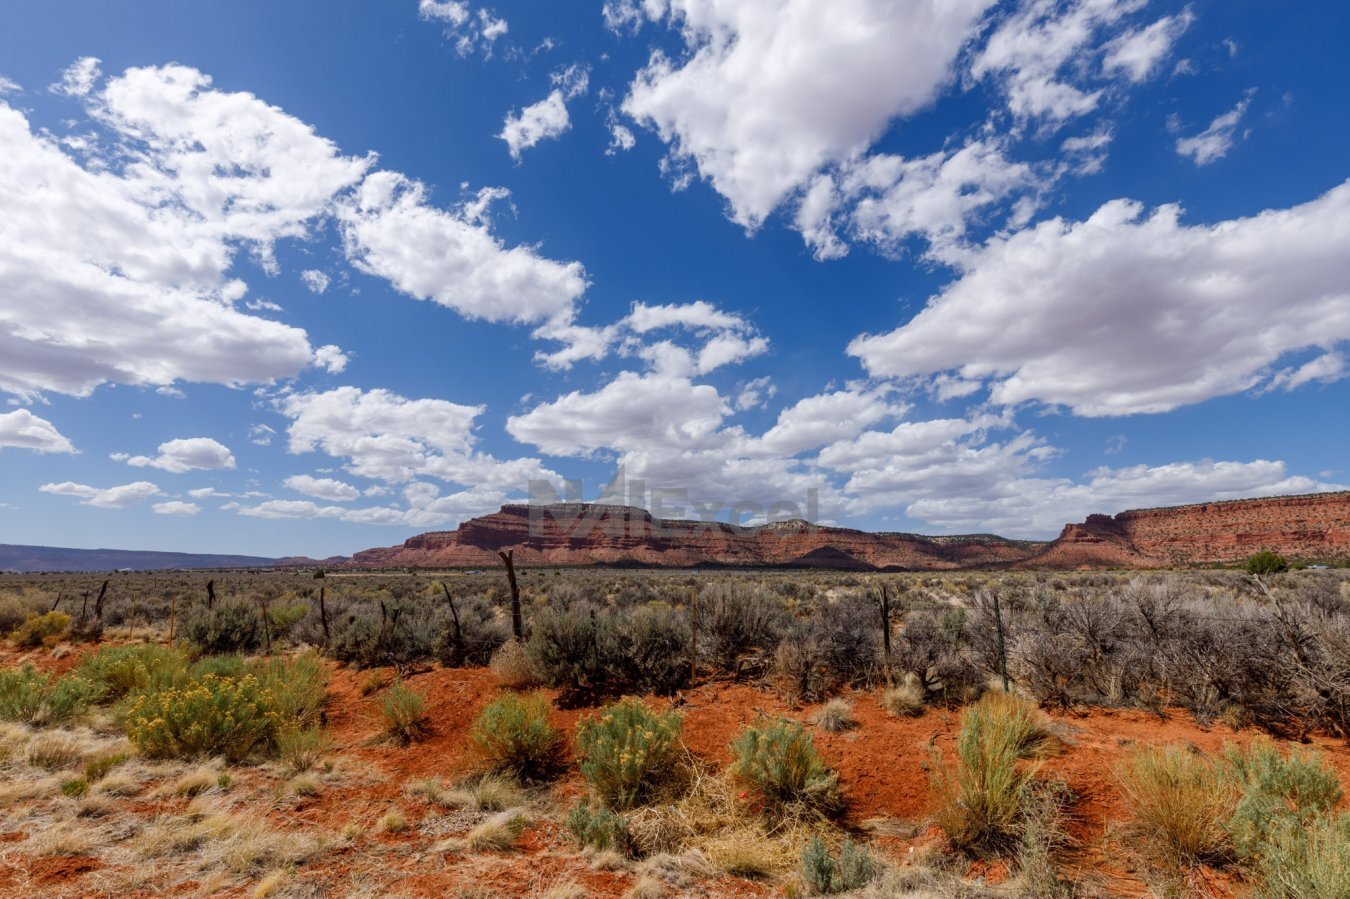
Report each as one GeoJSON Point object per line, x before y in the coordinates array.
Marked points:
{"type": "Point", "coordinates": [1310, 527]}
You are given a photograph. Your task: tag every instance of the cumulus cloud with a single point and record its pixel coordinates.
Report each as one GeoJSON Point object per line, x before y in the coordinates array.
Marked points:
{"type": "Point", "coordinates": [322, 488]}
{"type": "Point", "coordinates": [23, 429]}
{"type": "Point", "coordinates": [120, 497]}
{"type": "Point", "coordinates": [772, 91]}
{"type": "Point", "coordinates": [117, 269]}
{"type": "Point", "coordinates": [1125, 313]}
{"type": "Point", "coordinates": [185, 454]}
{"type": "Point", "coordinates": [176, 507]}
{"type": "Point", "coordinates": [387, 437]}
{"type": "Point", "coordinates": [331, 359]}
{"type": "Point", "coordinates": [79, 77]}
{"type": "Point", "coordinates": [1214, 142]}
{"type": "Point", "coordinates": [392, 232]}
{"type": "Point", "coordinates": [546, 119]}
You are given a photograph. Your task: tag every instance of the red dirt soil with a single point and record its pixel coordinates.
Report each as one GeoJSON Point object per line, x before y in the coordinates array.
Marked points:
{"type": "Point", "coordinates": [883, 764]}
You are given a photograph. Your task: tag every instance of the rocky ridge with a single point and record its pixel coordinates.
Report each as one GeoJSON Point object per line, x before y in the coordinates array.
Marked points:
{"type": "Point", "coordinates": [1313, 526]}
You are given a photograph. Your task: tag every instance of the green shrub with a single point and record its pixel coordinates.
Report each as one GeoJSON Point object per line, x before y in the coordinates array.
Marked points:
{"type": "Point", "coordinates": [298, 684]}
{"type": "Point", "coordinates": [1276, 790]}
{"type": "Point", "coordinates": [628, 751]}
{"type": "Point", "coordinates": [404, 712]}
{"type": "Point", "coordinates": [599, 829]}
{"type": "Point", "coordinates": [121, 670]}
{"type": "Point", "coordinates": [30, 696]}
{"type": "Point", "coordinates": [400, 636]}
{"type": "Point", "coordinates": [1306, 861]}
{"type": "Point", "coordinates": [733, 618]}
{"type": "Point", "coordinates": [46, 629]}
{"type": "Point", "coordinates": [97, 767]}
{"type": "Point", "coordinates": [75, 788]}
{"type": "Point", "coordinates": [1266, 562]}
{"type": "Point", "coordinates": [653, 649]}
{"type": "Point", "coordinates": [210, 716]}
{"type": "Point", "coordinates": [572, 647]}
{"type": "Point", "coordinates": [514, 736]}
{"type": "Point", "coordinates": [823, 874]}
{"type": "Point", "coordinates": [984, 800]}
{"type": "Point", "coordinates": [780, 762]}
{"type": "Point", "coordinates": [229, 627]}
{"type": "Point", "coordinates": [15, 608]}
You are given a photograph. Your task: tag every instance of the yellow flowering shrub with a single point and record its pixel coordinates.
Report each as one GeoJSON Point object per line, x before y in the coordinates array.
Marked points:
{"type": "Point", "coordinates": [213, 715]}
{"type": "Point", "coordinates": [628, 751]}
{"type": "Point", "coordinates": [780, 761]}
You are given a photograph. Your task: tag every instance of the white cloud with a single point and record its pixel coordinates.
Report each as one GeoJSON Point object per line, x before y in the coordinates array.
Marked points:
{"type": "Point", "coordinates": [185, 454]}
{"type": "Point", "coordinates": [205, 493]}
{"type": "Point", "coordinates": [1039, 507]}
{"type": "Point", "coordinates": [539, 121]}
{"type": "Point", "coordinates": [469, 28]}
{"type": "Point", "coordinates": [1137, 53]}
{"type": "Point", "coordinates": [315, 280]}
{"type": "Point", "coordinates": [1124, 314]}
{"type": "Point", "coordinates": [23, 429]}
{"type": "Point", "coordinates": [1215, 141]}
{"type": "Point", "coordinates": [1039, 54]}
{"type": "Point", "coordinates": [331, 359]}
{"type": "Point", "coordinates": [391, 232]}
{"type": "Point", "coordinates": [322, 488]}
{"type": "Point", "coordinates": [754, 394]}
{"type": "Point", "coordinates": [120, 497]}
{"type": "Point", "coordinates": [9, 86]}
{"type": "Point", "coordinates": [118, 270]}
{"type": "Point", "coordinates": [387, 437]}
{"type": "Point", "coordinates": [772, 91]}
{"type": "Point", "coordinates": [548, 118]}
{"type": "Point", "coordinates": [712, 338]}
{"type": "Point", "coordinates": [261, 435]}
{"type": "Point", "coordinates": [176, 507]}
{"type": "Point", "coordinates": [79, 77]}
{"type": "Point", "coordinates": [631, 412]}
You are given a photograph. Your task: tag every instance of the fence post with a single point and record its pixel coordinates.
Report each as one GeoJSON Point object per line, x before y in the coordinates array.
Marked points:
{"type": "Point", "coordinates": [1002, 653]}
{"type": "Point", "coordinates": [517, 625]}
{"type": "Point", "coordinates": [693, 635]}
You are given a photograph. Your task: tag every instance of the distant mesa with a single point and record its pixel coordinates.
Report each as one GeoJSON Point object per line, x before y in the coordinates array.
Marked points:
{"type": "Point", "coordinates": [1310, 527]}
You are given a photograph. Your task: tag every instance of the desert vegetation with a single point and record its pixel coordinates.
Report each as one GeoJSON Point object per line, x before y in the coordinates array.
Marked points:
{"type": "Point", "coordinates": [674, 733]}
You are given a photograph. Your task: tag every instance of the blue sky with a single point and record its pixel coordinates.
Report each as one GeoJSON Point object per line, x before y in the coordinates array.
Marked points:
{"type": "Point", "coordinates": [283, 279]}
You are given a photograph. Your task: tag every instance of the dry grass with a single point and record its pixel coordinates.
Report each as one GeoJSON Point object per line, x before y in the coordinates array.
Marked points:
{"type": "Point", "coordinates": [511, 663]}
{"type": "Point", "coordinates": [64, 838]}
{"type": "Point", "coordinates": [392, 821]}
{"type": "Point", "coordinates": [498, 833]}
{"type": "Point", "coordinates": [117, 783]}
{"type": "Point", "coordinates": [1178, 801]}
{"type": "Point", "coordinates": [57, 750]}
{"type": "Point", "coordinates": [836, 716]}
{"type": "Point", "coordinates": [905, 699]}
{"type": "Point", "coordinates": [193, 783]}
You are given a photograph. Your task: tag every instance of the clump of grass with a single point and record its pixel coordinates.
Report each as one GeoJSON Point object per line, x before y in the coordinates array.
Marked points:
{"type": "Point", "coordinates": [836, 716]}
{"type": "Point", "coordinates": [191, 784]}
{"type": "Point", "coordinates": [374, 682]}
{"type": "Point", "coordinates": [781, 764]}
{"type": "Point", "coordinates": [514, 737]}
{"type": "Point", "coordinates": [298, 685]}
{"type": "Point", "coordinates": [628, 752]}
{"type": "Point", "coordinates": [404, 712]}
{"type": "Point", "coordinates": [301, 748]}
{"type": "Point", "coordinates": [392, 821]}
{"type": "Point", "coordinates": [118, 671]}
{"type": "Point", "coordinates": [905, 700]}
{"type": "Point", "coordinates": [1178, 801]}
{"type": "Point", "coordinates": [75, 788]}
{"type": "Point", "coordinates": [984, 800]}
{"type": "Point", "coordinates": [55, 751]}
{"type": "Point", "coordinates": [498, 833]}
{"type": "Point", "coordinates": [97, 767]}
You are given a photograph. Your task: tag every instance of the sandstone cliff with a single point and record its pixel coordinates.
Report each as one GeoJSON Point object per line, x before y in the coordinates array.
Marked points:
{"type": "Point", "coordinates": [1312, 526]}
{"type": "Point", "coordinates": [580, 534]}
{"type": "Point", "coordinates": [1315, 526]}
